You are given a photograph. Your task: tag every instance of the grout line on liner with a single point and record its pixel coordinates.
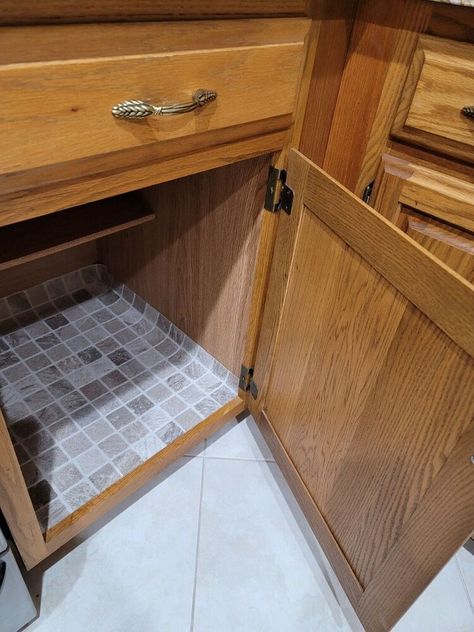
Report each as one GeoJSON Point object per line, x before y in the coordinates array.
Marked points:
{"type": "Point", "coordinates": [198, 537]}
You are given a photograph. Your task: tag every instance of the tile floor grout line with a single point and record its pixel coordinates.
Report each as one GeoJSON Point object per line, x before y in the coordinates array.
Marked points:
{"type": "Point", "coordinates": [464, 583]}
{"type": "Point", "coordinates": [241, 458]}
{"type": "Point", "coordinates": [198, 537]}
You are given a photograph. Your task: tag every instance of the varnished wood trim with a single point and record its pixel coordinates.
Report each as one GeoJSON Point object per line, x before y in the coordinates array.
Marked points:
{"type": "Point", "coordinates": [88, 41]}
{"type": "Point", "coordinates": [43, 236]}
{"type": "Point", "coordinates": [16, 505]}
{"type": "Point", "coordinates": [445, 197]}
{"type": "Point", "coordinates": [121, 489]}
{"type": "Point", "coordinates": [63, 11]}
{"type": "Point", "coordinates": [26, 275]}
{"type": "Point", "coordinates": [270, 220]}
{"type": "Point", "coordinates": [433, 50]}
{"type": "Point", "coordinates": [335, 19]}
{"type": "Point", "coordinates": [278, 279]}
{"type": "Point", "coordinates": [405, 45]}
{"type": "Point", "coordinates": [442, 294]}
{"type": "Point", "coordinates": [49, 199]}
{"type": "Point", "coordinates": [425, 189]}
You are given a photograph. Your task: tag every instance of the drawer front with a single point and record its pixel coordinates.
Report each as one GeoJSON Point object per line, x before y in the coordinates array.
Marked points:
{"type": "Point", "coordinates": [58, 112]}
{"type": "Point", "coordinates": [433, 207]}
{"type": "Point", "coordinates": [439, 85]}
{"type": "Point", "coordinates": [453, 246]}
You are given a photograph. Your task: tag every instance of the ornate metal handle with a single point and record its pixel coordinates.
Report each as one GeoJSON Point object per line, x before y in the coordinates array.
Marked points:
{"type": "Point", "coordinates": [468, 111]}
{"type": "Point", "coordinates": [134, 109]}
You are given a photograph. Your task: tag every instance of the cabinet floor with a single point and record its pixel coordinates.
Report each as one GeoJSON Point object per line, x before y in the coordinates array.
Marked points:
{"type": "Point", "coordinates": [217, 543]}
{"type": "Point", "coordinates": [93, 382]}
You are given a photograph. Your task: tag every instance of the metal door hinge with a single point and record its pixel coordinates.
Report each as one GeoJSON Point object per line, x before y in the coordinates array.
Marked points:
{"type": "Point", "coordinates": [278, 195]}
{"type": "Point", "coordinates": [246, 382]}
{"type": "Point", "coordinates": [368, 192]}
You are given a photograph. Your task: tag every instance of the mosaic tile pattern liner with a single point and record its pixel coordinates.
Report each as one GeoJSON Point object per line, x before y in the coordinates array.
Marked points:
{"type": "Point", "coordinates": [94, 381]}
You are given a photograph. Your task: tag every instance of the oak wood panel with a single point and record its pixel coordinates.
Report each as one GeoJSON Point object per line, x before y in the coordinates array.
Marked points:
{"type": "Point", "coordinates": [426, 189]}
{"type": "Point", "coordinates": [453, 246]}
{"type": "Point", "coordinates": [440, 83]}
{"type": "Point", "coordinates": [388, 250]}
{"type": "Point", "coordinates": [316, 47]}
{"type": "Point", "coordinates": [334, 20]}
{"type": "Point", "coordinates": [79, 41]}
{"type": "Point", "coordinates": [54, 11]}
{"type": "Point", "coordinates": [16, 505]}
{"type": "Point", "coordinates": [96, 186]}
{"type": "Point", "coordinates": [381, 32]}
{"type": "Point", "coordinates": [26, 275]}
{"type": "Point", "coordinates": [424, 536]}
{"type": "Point", "coordinates": [327, 44]}
{"type": "Point", "coordinates": [36, 238]}
{"type": "Point", "coordinates": [452, 22]}
{"type": "Point", "coordinates": [71, 100]}
{"type": "Point", "coordinates": [277, 283]}
{"type": "Point", "coordinates": [137, 478]}
{"type": "Point", "coordinates": [398, 67]}
{"type": "Point", "coordinates": [195, 263]}
{"type": "Point", "coordinates": [375, 410]}
{"type": "Point", "coordinates": [443, 196]}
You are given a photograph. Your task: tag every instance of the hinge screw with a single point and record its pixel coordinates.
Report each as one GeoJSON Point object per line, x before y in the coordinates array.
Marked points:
{"type": "Point", "coordinates": [471, 458]}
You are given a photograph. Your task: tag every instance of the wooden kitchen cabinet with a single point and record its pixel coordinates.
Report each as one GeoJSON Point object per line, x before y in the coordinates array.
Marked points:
{"type": "Point", "coordinates": [349, 326]}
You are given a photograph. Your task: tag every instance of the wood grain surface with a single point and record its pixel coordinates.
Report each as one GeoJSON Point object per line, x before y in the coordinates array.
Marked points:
{"type": "Point", "coordinates": [195, 263]}
{"type": "Point", "coordinates": [377, 411]}
{"type": "Point", "coordinates": [54, 11]}
{"type": "Point", "coordinates": [439, 84]}
{"type": "Point", "coordinates": [29, 274]}
{"type": "Point", "coordinates": [43, 236]}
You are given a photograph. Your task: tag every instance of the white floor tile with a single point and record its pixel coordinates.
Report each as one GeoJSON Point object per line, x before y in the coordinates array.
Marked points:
{"type": "Point", "coordinates": [465, 561]}
{"type": "Point", "coordinates": [137, 572]}
{"type": "Point", "coordinates": [256, 571]}
{"type": "Point", "coordinates": [239, 441]}
{"type": "Point", "coordinates": [442, 607]}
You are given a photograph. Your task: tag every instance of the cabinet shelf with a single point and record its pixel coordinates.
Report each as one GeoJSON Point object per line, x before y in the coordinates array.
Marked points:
{"type": "Point", "coordinates": [35, 238]}
{"type": "Point", "coordinates": [94, 384]}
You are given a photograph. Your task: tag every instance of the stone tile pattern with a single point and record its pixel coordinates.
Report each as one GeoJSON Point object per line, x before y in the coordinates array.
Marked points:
{"type": "Point", "coordinates": [93, 382]}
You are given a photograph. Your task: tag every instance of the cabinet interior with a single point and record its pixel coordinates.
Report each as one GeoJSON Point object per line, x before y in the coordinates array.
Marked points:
{"type": "Point", "coordinates": [124, 330]}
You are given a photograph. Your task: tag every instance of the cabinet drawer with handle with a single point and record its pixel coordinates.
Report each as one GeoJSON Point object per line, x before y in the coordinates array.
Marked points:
{"type": "Point", "coordinates": [436, 110]}
{"type": "Point", "coordinates": [139, 93]}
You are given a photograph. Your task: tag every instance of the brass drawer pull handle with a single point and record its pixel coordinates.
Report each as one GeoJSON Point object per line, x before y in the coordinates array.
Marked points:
{"type": "Point", "coordinates": [134, 109]}
{"type": "Point", "coordinates": [468, 111]}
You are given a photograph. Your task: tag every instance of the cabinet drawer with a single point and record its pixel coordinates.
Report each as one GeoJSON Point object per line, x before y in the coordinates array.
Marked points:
{"type": "Point", "coordinates": [57, 123]}
{"type": "Point", "coordinates": [440, 84]}
{"type": "Point", "coordinates": [433, 207]}
{"type": "Point", "coordinates": [453, 246]}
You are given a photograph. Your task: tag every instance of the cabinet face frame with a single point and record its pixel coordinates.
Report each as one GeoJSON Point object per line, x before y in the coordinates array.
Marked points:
{"type": "Point", "coordinates": [425, 293]}
{"type": "Point", "coordinates": [260, 138]}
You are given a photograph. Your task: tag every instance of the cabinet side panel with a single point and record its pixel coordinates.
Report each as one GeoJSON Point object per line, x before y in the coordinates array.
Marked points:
{"type": "Point", "coordinates": [195, 262]}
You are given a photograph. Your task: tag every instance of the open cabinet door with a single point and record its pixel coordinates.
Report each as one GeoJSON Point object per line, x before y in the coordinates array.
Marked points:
{"type": "Point", "coordinates": [365, 381]}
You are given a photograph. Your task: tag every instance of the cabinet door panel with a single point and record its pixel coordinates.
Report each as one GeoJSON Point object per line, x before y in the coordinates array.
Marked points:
{"type": "Point", "coordinates": [370, 394]}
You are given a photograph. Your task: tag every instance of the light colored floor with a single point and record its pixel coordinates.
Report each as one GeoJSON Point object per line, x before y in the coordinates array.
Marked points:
{"type": "Point", "coordinates": [218, 544]}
